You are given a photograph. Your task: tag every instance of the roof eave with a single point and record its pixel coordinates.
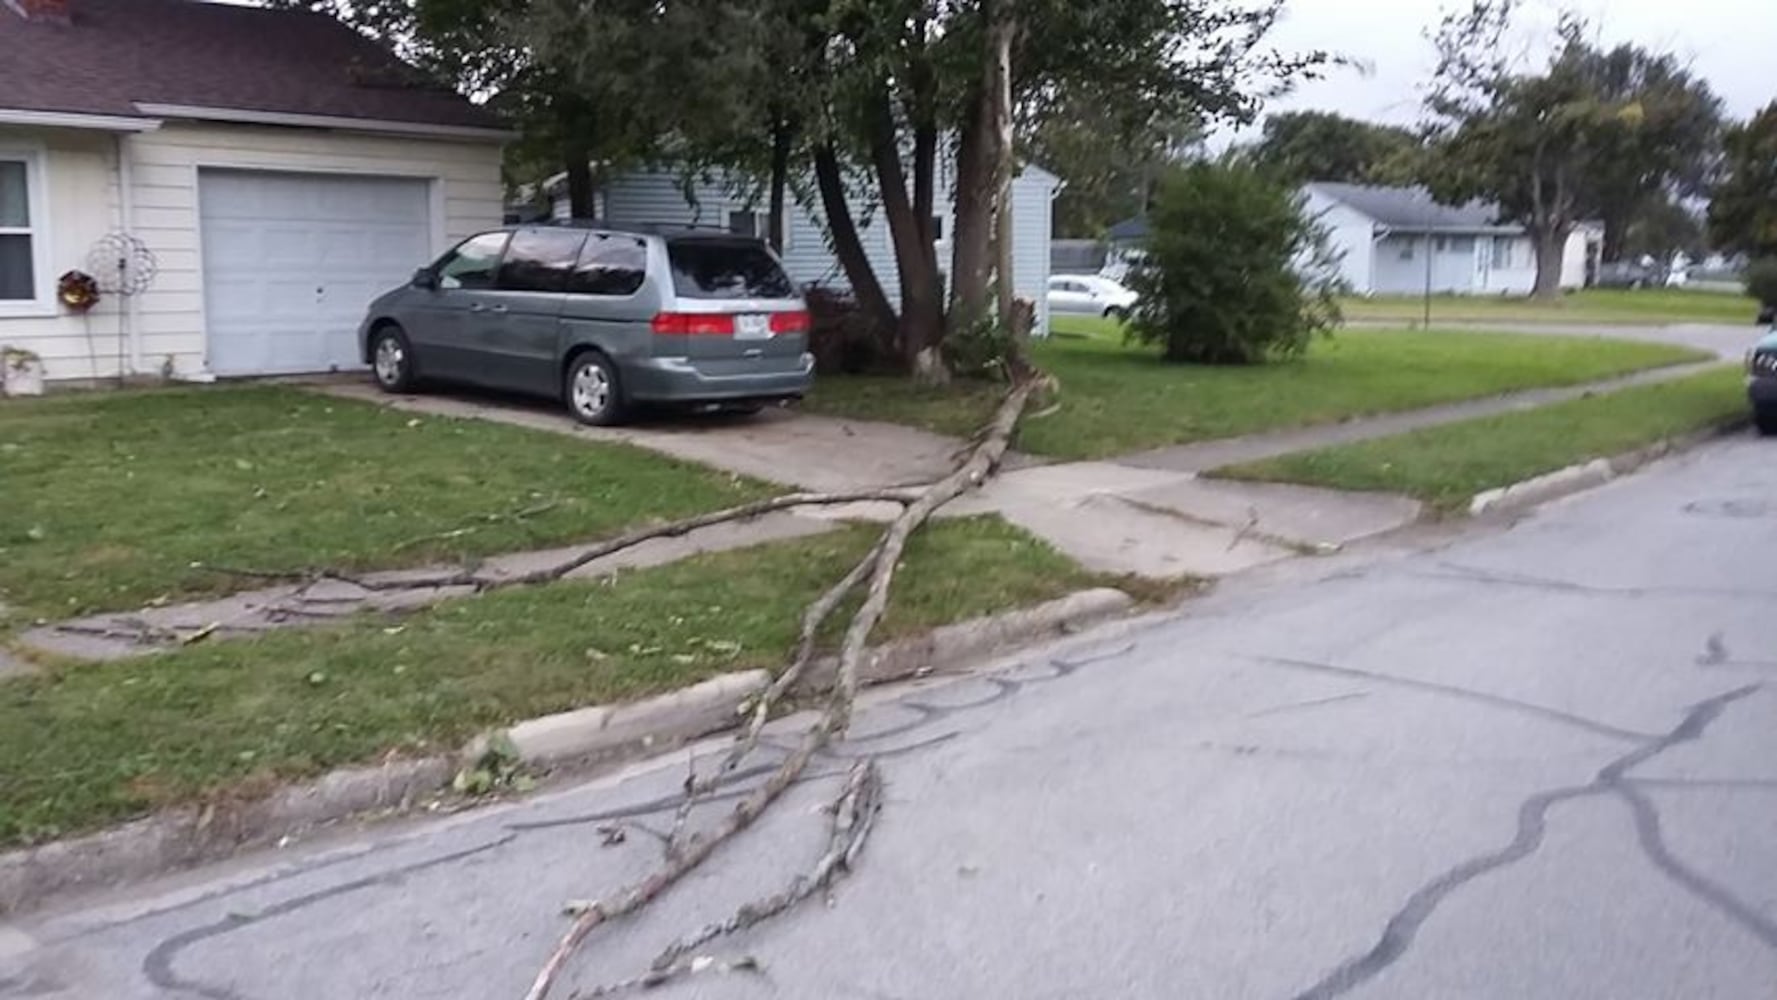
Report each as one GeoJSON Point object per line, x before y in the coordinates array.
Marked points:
{"type": "Point", "coordinates": [77, 120]}
{"type": "Point", "coordinates": [243, 116]}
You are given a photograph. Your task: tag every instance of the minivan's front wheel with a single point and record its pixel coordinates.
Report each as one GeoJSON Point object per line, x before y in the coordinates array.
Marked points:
{"type": "Point", "coordinates": [391, 359]}
{"type": "Point", "coordinates": [593, 393]}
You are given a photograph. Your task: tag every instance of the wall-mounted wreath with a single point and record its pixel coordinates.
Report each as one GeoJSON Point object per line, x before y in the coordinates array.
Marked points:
{"type": "Point", "coordinates": [78, 291]}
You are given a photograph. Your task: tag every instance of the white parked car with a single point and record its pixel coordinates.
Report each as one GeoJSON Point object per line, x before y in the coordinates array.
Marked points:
{"type": "Point", "coordinates": [1089, 295]}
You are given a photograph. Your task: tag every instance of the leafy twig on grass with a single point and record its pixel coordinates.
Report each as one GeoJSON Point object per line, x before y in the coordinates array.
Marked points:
{"type": "Point", "coordinates": [513, 517]}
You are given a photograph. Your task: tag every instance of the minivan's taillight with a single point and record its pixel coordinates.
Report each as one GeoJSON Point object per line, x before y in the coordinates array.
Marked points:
{"type": "Point", "coordinates": [790, 322]}
{"type": "Point", "coordinates": [694, 324]}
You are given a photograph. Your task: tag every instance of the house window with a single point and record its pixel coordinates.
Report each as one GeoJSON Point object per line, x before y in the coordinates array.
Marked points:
{"type": "Point", "coordinates": [1406, 249]}
{"type": "Point", "coordinates": [757, 224]}
{"type": "Point", "coordinates": [1504, 253]}
{"type": "Point", "coordinates": [21, 232]}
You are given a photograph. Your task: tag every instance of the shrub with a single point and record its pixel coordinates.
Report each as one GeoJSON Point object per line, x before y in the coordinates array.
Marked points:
{"type": "Point", "coordinates": [1761, 280]}
{"type": "Point", "coordinates": [842, 339]}
{"type": "Point", "coordinates": [1235, 272]}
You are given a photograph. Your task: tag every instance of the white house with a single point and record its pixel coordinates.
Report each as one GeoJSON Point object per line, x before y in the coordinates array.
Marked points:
{"type": "Point", "coordinates": [662, 197]}
{"type": "Point", "coordinates": [1398, 240]}
{"type": "Point", "coordinates": [280, 169]}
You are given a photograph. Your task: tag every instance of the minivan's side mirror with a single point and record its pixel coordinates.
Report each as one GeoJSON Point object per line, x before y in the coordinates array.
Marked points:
{"type": "Point", "coordinates": [424, 278]}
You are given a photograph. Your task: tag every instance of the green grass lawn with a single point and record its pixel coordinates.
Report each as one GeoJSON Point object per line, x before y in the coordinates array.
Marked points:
{"type": "Point", "coordinates": [106, 499]}
{"type": "Point", "coordinates": [83, 746]}
{"type": "Point", "coordinates": [1649, 306]}
{"type": "Point", "coordinates": [1117, 399]}
{"type": "Point", "coordinates": [1446, 466]}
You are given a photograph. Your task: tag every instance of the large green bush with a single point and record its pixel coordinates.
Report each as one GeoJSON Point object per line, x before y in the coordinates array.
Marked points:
{"type": "Point", "coordinates": [1235, 272]}
{"type": "Point", "coordinates": [1761, 280]}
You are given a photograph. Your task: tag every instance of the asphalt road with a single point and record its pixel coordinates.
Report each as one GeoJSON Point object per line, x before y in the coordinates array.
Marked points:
{"type": "Point", "coordinates": [1527, 763]}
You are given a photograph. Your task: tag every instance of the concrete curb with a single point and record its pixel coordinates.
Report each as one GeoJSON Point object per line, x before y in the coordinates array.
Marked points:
{"type": "Point", "coordinates": [593, 736]}
{"type": "Point", "coordinates": [1521, 496]}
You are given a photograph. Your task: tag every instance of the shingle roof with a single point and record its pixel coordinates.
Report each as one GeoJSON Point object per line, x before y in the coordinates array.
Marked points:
{"type": "Point", "coordinates": [1129, 230]}
{"type": "Point", "coordinates": [117, 53]}
{"type": "Point", "coordinates": [1412, 208]}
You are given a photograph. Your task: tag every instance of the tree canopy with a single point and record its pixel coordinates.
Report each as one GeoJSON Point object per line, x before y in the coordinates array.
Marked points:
{"type": "Point", "coordinates": [1743, 206]}
{"type": "Point", "coordinates": [1594, 134]}
{"type": "Point", "coordinates": [1302, 146]}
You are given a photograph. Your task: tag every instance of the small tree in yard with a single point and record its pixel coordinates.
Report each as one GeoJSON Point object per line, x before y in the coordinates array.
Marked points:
{"type": "Point", "coordinates": [1235, 272]}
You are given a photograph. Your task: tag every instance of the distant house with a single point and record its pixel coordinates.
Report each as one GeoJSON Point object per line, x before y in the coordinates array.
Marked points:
{"type": "Point", "coordinates": [280, 168]}
{"type": "Point", "coordinates": [659, 196]}
{"type": "Point", "coordinates": [1398, 240]}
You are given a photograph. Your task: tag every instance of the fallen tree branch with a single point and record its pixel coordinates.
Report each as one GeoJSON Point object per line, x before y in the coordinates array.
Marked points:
{"type": "Point", "coordinates": [483, 520]}
{"type": "Point", "coordinates": [879, 567]}
{"type": "Point", "coordinates": [854, 814]}
{"type": "Point", "coordinates": [474, 577]}
{"type": "Point", "coordinates": [696, 789]}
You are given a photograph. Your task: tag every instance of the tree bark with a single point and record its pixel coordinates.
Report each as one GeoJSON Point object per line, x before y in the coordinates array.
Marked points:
{"type": "Point", "coordinates": [843, 229]}
{"type": "Point", "coordinates": [783, 137]}
{"type": "Point", "coordinates": [1550, 243]}
{"type": "Point", "coordinates": [577, 160]}
{"type": "Point", "coordinates": [972, 236]}
{"type": "Point", "coordinates": [922, 308]}
{"type": "Point", "coordinates": [1000, 65]}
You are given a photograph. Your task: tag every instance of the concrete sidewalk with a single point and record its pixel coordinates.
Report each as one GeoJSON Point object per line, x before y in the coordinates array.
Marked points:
{"type": "Point", "coordinates": [1114, 516]}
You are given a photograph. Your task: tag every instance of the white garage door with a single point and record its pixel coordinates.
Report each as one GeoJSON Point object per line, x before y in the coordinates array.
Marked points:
{"type": "Point", "coordinates": [291, 260]}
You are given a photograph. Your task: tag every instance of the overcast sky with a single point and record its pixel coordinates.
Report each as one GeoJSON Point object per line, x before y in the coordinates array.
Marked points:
{"type": "Point", "coordinates": [1732, 43]}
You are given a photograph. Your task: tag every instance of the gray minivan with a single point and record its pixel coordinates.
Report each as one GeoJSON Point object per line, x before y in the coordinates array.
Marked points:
{"type": "Point", "coordinates": [603, 319]}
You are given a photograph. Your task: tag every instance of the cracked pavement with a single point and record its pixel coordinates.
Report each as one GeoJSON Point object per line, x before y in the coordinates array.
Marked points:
{"type": "Point", "coordinates": [1535, 762]}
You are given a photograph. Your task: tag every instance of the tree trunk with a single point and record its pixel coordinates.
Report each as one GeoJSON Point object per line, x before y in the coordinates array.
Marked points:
{"type": "Point", "coordinates": [1000, 65]}
{"type": "Point", "coordinates": [971, 258]}
{"type": "Point", "coordinates": [925, 171]}
{"type": "Point", "coordinates": [922, 307]}
{"type": "Point", "coordinates": [577, 159]}
{"type": "Point", "coordinates": [1550, 243]}
{"type": "Point", "coordinates": [843, 230]}
{"type": "Point", "coordinates": [783, 136]}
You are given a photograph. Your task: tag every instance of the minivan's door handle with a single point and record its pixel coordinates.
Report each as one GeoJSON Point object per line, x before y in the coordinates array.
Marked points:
{"type": "Point", "coordinates": [498, 309]}
{"type": "Point", "coordinates": [476, 307]}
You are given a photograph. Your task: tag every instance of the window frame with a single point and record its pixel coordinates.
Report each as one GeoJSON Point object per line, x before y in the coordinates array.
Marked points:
{"type": "Point", "coordinates": [43, 300]}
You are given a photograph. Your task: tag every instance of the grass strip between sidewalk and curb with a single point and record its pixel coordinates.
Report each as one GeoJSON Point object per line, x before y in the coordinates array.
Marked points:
{"type": "Point", "coordinates": [110, 497]}
{"type": "Point", "coordinates": [85, 746]}
{"type": "Point", "coordinates": [1447, 466]}
{"type": "Point", "coordinates": [1117, 399]}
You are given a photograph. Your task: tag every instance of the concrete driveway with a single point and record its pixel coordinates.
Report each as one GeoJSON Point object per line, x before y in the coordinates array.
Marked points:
{"type": "Point", "coordinates": [793, 449]}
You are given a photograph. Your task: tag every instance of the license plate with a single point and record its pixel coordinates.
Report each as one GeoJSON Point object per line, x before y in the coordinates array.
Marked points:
{"type": "Point", "coordinates": [753, 327]}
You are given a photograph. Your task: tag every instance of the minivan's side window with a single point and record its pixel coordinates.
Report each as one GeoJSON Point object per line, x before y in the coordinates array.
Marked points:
{"type": "Point", "coordinates": [473, 263]}
{"type": "Point", "coordinates": [540, 260]}
{"type": "Point", "coordinates": [610, 265]}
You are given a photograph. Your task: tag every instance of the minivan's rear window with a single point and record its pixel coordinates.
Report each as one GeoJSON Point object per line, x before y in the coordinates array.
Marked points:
{"type": "Point", "coordinates": [727, 269]}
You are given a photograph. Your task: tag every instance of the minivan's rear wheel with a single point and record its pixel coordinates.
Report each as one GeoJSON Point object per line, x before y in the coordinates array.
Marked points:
{"type": "Point", "coordinates": [391, 359]}
{"type": "Point", "coordinates": [1116, 314]}
{"type": "Point", "coordinates": [593, 393]}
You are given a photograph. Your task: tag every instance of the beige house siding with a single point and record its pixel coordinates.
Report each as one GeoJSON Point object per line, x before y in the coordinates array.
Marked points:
{"type": "Point", "coordinates": [78, 171]}
{"type": "Point", "coordinates": [164, 166]}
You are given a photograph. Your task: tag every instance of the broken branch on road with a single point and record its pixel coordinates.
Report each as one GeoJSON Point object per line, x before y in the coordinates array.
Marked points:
{"type": "Point", "coordinates": [855, 810]}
